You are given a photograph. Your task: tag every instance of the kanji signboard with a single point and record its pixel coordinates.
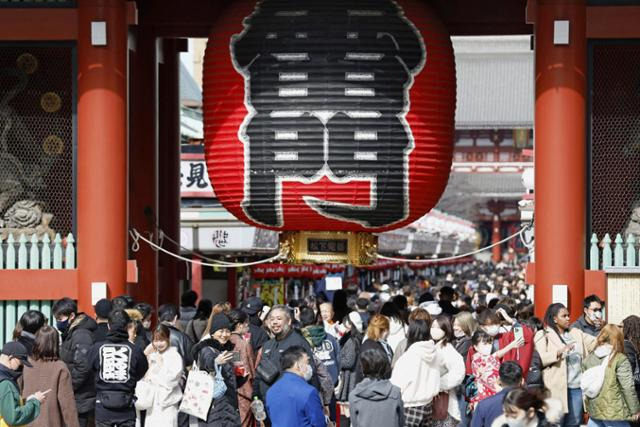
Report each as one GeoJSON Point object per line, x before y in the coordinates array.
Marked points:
{"type": "Point", "coordinates": [329, 115]}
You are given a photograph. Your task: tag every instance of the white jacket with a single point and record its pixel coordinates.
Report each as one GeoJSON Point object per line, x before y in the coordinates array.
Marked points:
{"type": "Point", "coordinates": [165, 371]}
{"type": "Point", "coordinates": [417, 374]}
{"type": "Point", "coordinates": [397, 333]}
{"type": "Point", "coordinates": [452, 371]}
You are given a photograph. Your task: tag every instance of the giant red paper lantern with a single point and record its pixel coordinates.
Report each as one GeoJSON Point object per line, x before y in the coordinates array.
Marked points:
{"type": "Point", "coordinates": [329, 115]}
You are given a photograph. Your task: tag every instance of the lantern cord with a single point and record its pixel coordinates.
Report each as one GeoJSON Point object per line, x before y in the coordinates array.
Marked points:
{"type": "Point", "coordinates": [519, 233]}
{"type": "Point", "coordinates": [136, 236]}
{"type": "Point", "coordinates": [192, 252]}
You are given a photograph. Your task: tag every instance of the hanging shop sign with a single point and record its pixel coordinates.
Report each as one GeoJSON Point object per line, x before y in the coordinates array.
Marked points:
{"type": "Point", "coordinates": [331, 117]}
{"type": "Point", "coordinates": [194, 179]}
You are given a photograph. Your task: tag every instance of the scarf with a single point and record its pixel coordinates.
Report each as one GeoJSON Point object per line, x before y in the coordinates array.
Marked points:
{"type": "Point", "coordinates": [314, 335]}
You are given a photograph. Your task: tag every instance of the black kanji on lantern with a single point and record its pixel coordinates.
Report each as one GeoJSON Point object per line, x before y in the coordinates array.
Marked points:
{"type": "Point", "coordinates": [327, 90]}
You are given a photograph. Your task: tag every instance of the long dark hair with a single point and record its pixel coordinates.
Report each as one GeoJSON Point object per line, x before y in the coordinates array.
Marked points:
{"type": "Point", "coordinates": [418, 331]}
{"type": "Point", "coordinates": [47, 345]}
{"type": "Point", "coordinates": [444, 322]}
{"type": "Point", "coordinates": [237, 317]}
{"type": "Point", "coordinates": [392, 311]}
{"type": "Point", "coordinates": [204, 310]}
{"type": "Point", "coordinates": [353, 333]}
{"type": "Point", "coordinates": [549, 316]}
{"type": "Point", "coordinates": [631, 330]}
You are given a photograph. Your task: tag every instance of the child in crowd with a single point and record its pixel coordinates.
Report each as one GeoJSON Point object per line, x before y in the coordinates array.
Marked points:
{"type": "Point", "coordinates": [485, 368]}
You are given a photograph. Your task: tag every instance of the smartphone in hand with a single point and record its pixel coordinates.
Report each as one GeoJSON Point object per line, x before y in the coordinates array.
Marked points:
{"type": "Point", "coordinates": [236, 356]}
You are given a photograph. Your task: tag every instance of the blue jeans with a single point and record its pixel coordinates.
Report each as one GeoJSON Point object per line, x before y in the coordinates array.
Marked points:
{"type": "Point", "coordinates": [462, 405]}
{"type": "Point", "coordinates": [574, 400]}
{"type": "Point", "coordinates": [599, 423]}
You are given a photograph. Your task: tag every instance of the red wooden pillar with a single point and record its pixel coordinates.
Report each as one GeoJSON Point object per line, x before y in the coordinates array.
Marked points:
{"type": "Point", "coordinates": [496, 252]}
{"type": "Point", "coordinates": [232, 285]}
{"type": "Point", "coordinates": [560, 153]}
{"type": "Point", "coordinates": [169, 139]}
{"type": "Point", "coordinates": [143, 160]}
{"type": "Point", "coordinates": [196, 276]}
{"type": "Point", "coordinates": [102, 150]}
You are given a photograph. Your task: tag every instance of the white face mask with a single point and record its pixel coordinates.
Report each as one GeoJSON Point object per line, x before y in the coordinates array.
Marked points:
{"type": "Point", "coordinates": [484, 349]}
{"type": "Point", "coordinates": [437, 334]}
{"type": "Point", "coordinates": [596, 315]}
{"type": "Point", "coordinates": [308, 373]}
{"type": "Point", "coordinates": [459, 333]}
{"type": "Point", "coordinates": [492, 330]}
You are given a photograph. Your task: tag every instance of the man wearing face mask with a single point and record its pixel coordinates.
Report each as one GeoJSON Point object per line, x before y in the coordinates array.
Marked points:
{"type": "Point", "coordinates": [591, 320]}
{"type": "Point", "coordinates": [291, 401]}
{"type": "Point", "coordinates": [12, 412]}
{"type": "Point", "coordinates": [78, 337]}
{"type": "Point", "coordinates": [269, 359]}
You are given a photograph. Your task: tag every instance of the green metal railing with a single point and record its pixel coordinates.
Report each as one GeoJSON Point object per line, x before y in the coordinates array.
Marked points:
{"type": "Point", "coordinates": [32, 254]}
{"type": "Point", "coordinates": [10, 312]}
{"type": "Point", "coordinates": [616, 253]}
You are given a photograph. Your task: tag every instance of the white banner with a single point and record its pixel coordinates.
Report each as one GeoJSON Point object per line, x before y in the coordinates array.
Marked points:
{"type": "Point", "coordinates": [194, 178]}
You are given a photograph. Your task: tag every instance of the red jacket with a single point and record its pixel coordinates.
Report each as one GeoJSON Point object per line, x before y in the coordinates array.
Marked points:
{"type": "Point", "coordinates": [522, 355]}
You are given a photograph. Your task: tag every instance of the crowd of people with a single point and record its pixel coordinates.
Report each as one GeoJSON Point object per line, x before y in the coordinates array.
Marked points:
{"type": "Point", "coordinates": [460, 349]}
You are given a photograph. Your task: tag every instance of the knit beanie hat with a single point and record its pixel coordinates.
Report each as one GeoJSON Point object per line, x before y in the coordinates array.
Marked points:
{"type": "Point", "coordinates": [103, 307]}
{"type": "Point", "coordinates": [219, 321]}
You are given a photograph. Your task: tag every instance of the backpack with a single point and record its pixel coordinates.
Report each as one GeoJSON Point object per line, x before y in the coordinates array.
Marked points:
{"type": "Point", "coordinates": [593, 378]}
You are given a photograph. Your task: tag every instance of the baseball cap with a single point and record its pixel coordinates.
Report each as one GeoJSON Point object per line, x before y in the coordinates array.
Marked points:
{"type": "Point", "coordinates": [17, 350]}
{"type": "Point", "coordinates": [252, 305]}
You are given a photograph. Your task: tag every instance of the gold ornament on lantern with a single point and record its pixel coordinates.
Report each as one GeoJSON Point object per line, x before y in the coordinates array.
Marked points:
{"type": "Point", "coordinates": [53, 145]}
{"type": "Point", "coordinates": [27, 63]}
{"type": "Point", "coordinates": [50, 102]}
{"type": "Point", "coordinates": [321, 247]}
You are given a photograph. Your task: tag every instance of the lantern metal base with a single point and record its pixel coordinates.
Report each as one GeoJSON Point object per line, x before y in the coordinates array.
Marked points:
{"type": "Point", "coordinates": [322, 247]}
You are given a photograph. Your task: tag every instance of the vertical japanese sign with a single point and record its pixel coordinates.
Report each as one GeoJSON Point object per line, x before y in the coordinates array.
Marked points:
{"type": "Point", "coordinates": [329, 115]}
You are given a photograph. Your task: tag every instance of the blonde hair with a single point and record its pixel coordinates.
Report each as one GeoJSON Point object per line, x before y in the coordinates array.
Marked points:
{"type": "Point", "coordinates": [378, 325]}
{"type": "Point", "coordinates": [611, 334]}
{"type": "Point", "coordinates": [468, 324]}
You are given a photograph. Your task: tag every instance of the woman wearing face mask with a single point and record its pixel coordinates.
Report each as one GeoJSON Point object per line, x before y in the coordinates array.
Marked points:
{"type": "Point", "coordinates": [490, 323]}
{"type": "Point", "coordinates": [417, 374]}
{"type": "Point", "coordinates": [562, 351]}
{"type": "Point", "coordinates": [528, 408]}
{"type": "Point", "coordinates": [452, 369]}
{"type": "Point", "coordinates": [244, 369]}
{"type": "Point", "coordinates": [464, 326]}
{"type": "Point", "coordinates": [617, 402]}
{"type": "Point", "coordinates": [165, 370]}
{"type": "Point", "coordinates": [215, 350]}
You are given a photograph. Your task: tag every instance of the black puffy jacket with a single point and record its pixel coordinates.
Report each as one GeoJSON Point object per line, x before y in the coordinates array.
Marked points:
{"type": "Point", "coordinates": [76, 343]}
{"type": "Point", "coordinates": [181, 342]}
{"type": "Point", "coordinates": [224, 411]}
{"type": "Point", "coordinates": [272, 349]}
{"type": "Point", "coordinates": [117, 366]}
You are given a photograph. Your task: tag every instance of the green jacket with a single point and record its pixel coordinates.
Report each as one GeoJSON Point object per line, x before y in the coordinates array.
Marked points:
{"type": "Point", "coordinates": [11, 410]}
{"type": "Point", "coordinates": [617, 399]}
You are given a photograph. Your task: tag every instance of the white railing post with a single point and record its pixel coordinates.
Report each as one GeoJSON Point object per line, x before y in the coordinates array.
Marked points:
{"type": "Point", "coordinates": [594, 255]}
{"type": "Point", "coordinates": [618, 256]}
{"type": "Point", "coordinates": [34, 254]}
{"type": "Point", "coordinates": [46, 253]}
{"type": "Point", "coordinates": [57, 252]}
{"type": "Point", "coordinates": [22, 252]}
{"type": "Point", "coordinates": [70, 253]}
{"type": "Point", "coordinates": [607, 254]}
{"type": "Point", "coordinates": [631, 250]}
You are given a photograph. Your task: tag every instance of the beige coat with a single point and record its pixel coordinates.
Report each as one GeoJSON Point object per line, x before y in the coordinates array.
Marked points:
{"type": "Point", "coordinates": [554, 372]}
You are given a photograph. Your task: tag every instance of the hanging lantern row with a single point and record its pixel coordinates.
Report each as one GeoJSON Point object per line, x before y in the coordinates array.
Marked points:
{"type": "Point", "coordinates": [329, 120]}
{"type": "Point", "coordinates": [305, 271]}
